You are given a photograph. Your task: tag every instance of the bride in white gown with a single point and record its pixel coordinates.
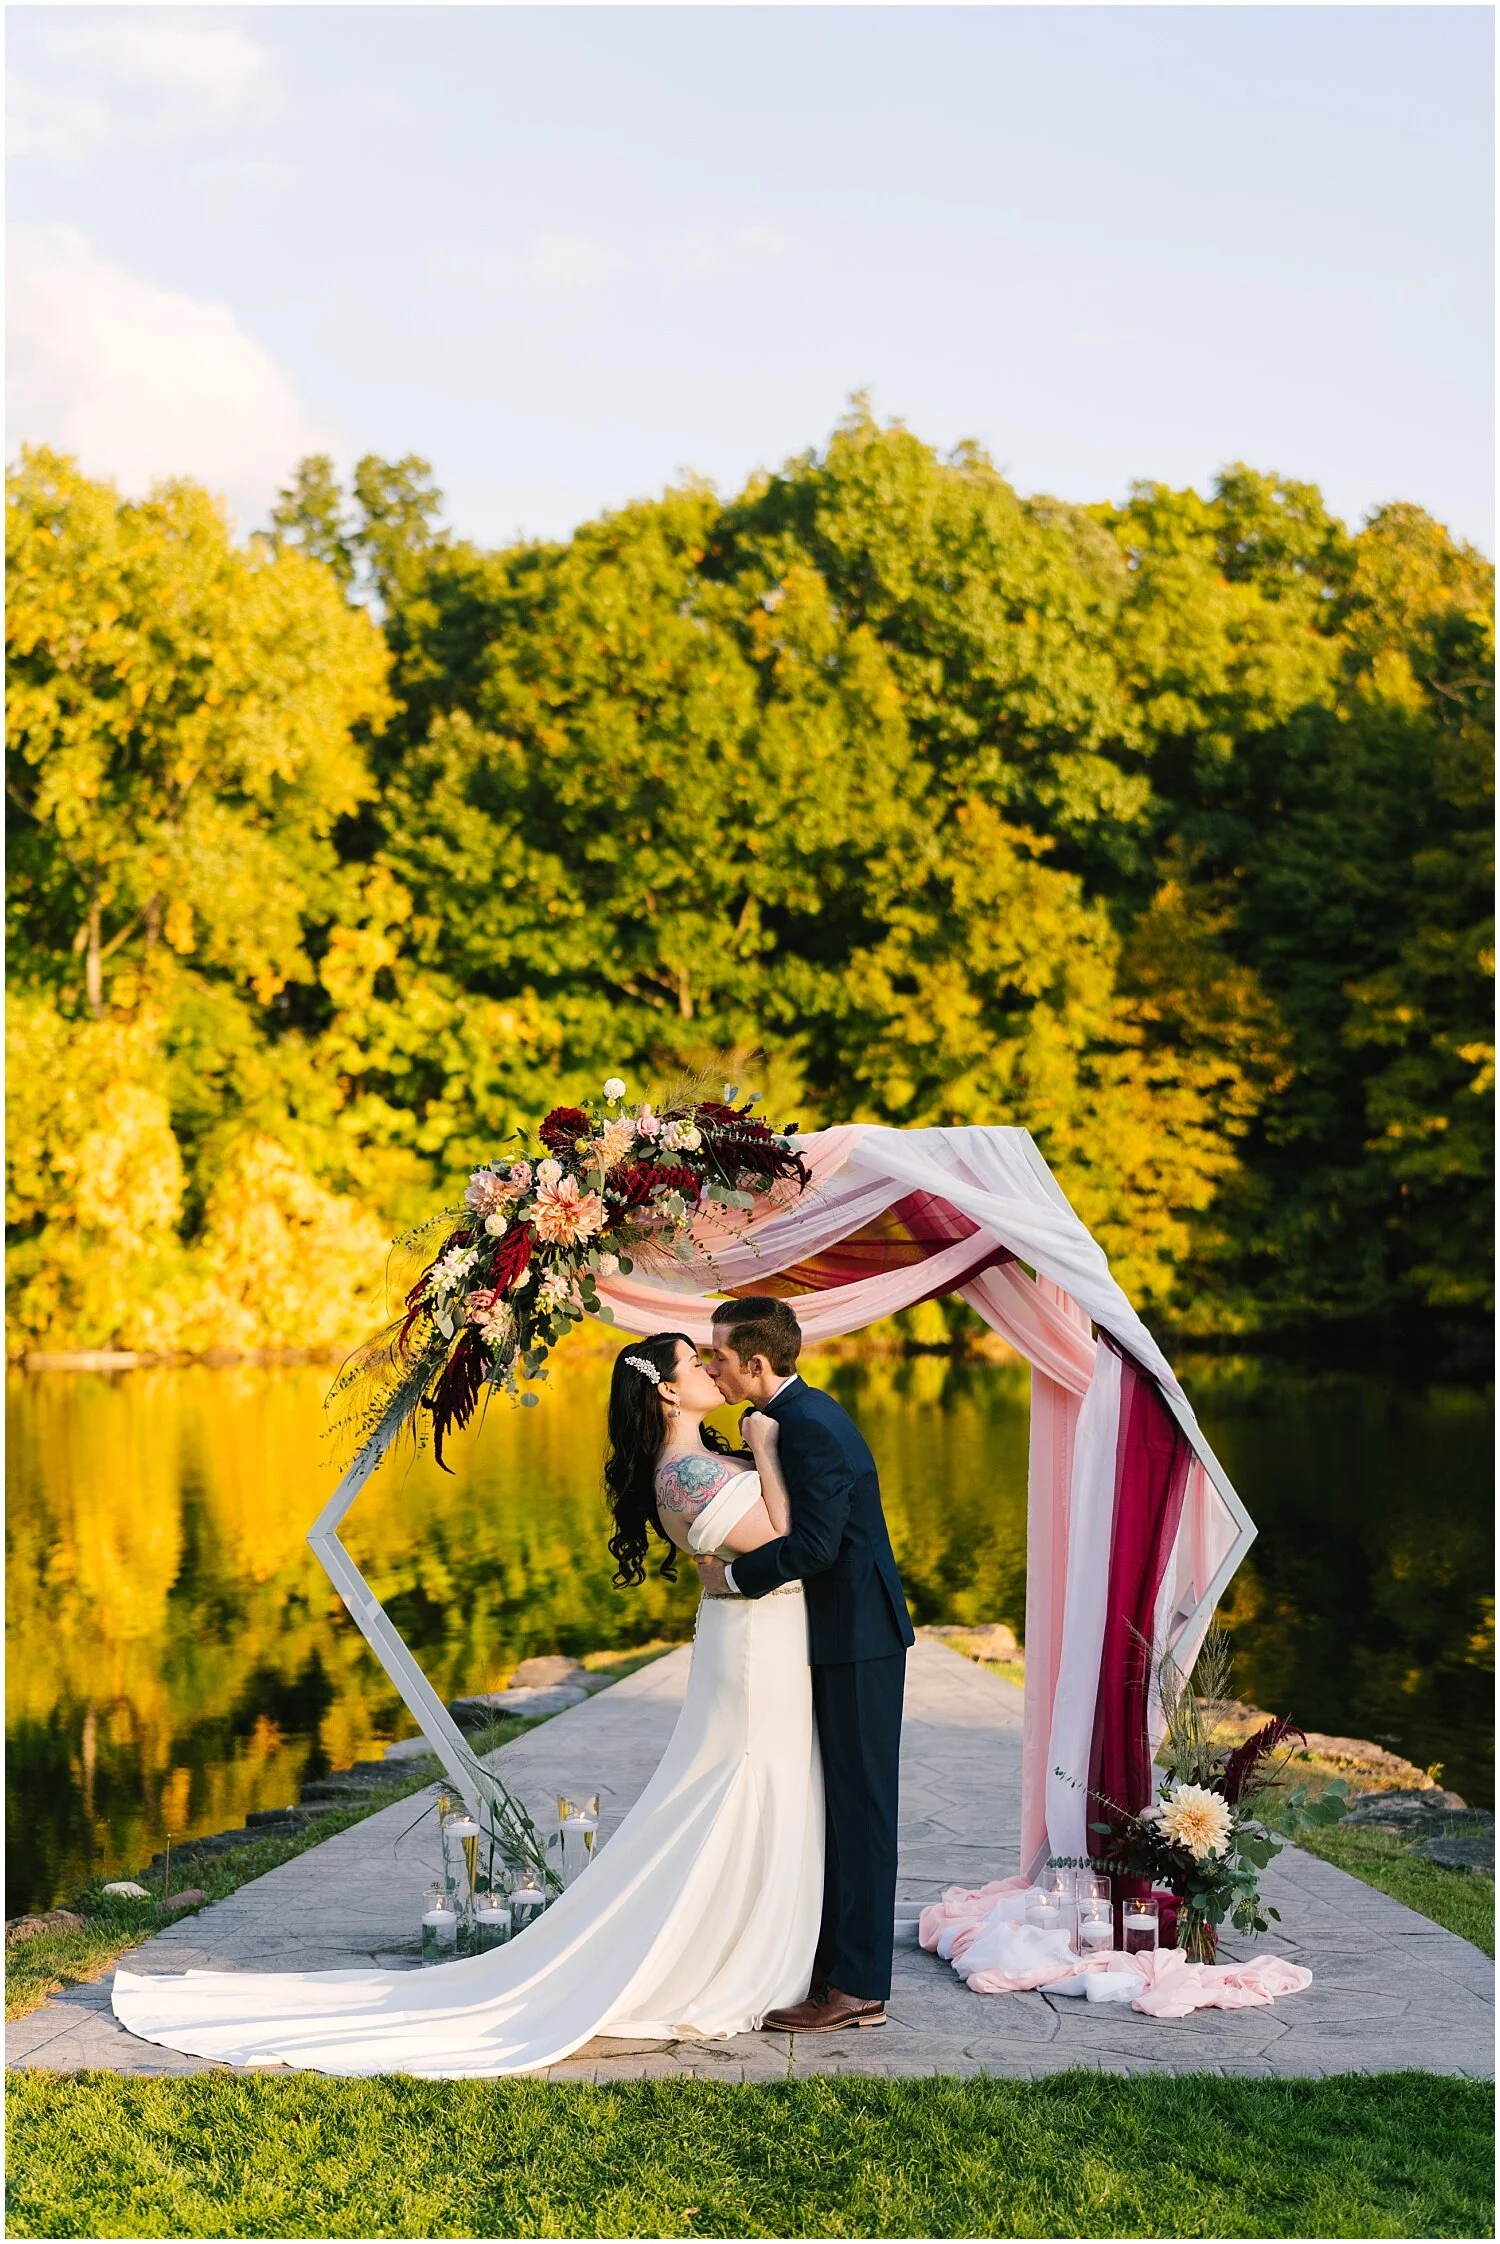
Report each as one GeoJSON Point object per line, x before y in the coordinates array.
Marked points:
{"type": "Point", "coordinates": [700, 1914]}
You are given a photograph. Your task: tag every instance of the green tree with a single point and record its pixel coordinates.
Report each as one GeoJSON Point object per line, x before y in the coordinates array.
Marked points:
{"type": "Point", "coordinates": [1323, 796]}
{"type": "Point", "coordinates": [310, 514]}
{"type": "Point", "coordinates": [1160, 828]}
{"type": "Point", "coordinates": [180, 744]}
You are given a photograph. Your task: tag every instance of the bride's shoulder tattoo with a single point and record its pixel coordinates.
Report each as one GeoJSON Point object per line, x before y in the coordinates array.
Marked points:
{"type": "Point", "coordinates": [686, 1483]}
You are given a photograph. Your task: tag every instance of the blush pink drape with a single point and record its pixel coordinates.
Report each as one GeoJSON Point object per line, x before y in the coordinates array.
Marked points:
{"type": "Point", "coordinates": [983, 1935]}
{"type": "Point", "coordinates": [893, 1217]}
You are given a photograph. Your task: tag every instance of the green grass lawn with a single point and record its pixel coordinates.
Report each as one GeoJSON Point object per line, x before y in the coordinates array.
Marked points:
{"type": "Point", "coordinates": [1462, 1900]}
{"type": "Point", "coordinates": [1079, 2155]}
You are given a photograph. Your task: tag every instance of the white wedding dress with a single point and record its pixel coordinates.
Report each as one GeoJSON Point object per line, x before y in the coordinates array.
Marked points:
{"type": "Point", "coordinates": [699, 1915]}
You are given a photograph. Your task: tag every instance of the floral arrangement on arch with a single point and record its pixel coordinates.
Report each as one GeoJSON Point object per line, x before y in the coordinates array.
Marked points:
{"type": "Point", "coordinates": [602, 1186]}
{"type": "Point", "coordinates": [1201, 1838]}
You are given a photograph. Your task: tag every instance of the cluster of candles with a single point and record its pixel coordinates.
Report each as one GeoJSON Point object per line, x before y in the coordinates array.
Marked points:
{"type": "Point", "coordinates": [466, 1914]}
{"type": "Point", "coordinates": [1081, 1904]}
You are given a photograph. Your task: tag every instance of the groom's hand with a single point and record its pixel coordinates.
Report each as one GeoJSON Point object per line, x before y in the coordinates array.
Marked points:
{"type": "Point", "coordinates": [711, 1575]}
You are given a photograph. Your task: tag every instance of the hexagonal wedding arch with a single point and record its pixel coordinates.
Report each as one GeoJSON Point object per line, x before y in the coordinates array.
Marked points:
{"type": "Point", "coordinates": [1133, 1529]}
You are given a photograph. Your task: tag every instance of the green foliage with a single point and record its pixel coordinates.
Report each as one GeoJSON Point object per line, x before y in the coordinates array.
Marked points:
{"type": "Point", "coordinates": [1162, 829]}
{"type": "Point", "coordinates": [1298, 1813]}
{"type": "Point", "coordinates": [1329, 815]}
{"type": "Point", "coordinates": [1401, 2154]}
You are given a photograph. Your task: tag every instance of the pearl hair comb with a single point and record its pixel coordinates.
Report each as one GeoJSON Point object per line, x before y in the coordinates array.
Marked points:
{"type": "Point", "coordinates": [642, 1363]}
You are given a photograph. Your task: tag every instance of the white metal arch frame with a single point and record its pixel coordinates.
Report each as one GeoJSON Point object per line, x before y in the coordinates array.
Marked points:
{"type": "Point", "coordinates": [1016, 1199]}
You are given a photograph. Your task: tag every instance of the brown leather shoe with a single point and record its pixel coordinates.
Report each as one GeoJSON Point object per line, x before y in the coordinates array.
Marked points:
{"type": "Point", "coordinates": [829, 2014]}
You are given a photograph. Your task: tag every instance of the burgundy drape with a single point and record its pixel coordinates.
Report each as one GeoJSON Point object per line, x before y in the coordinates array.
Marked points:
{"type": "Point", "coordinates": [912, 1230]}
{"type": "Point", "coordinates": [1151, 1469]}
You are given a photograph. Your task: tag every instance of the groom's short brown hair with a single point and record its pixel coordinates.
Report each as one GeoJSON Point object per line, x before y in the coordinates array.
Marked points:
{"type": "Point", "coordinates": [760, 1325]}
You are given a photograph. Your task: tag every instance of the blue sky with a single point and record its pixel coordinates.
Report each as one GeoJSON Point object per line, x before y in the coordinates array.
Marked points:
{"type": "Point", "coordinates": [569, 253]}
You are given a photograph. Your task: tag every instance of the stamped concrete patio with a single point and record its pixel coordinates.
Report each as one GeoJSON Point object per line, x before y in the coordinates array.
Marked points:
{"type": "Point", "coordinates": [1390, 1990]}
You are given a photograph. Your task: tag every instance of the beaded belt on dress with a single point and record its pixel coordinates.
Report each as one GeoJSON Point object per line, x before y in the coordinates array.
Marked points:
{"type": "Point", "coordinates": [787, 1589]}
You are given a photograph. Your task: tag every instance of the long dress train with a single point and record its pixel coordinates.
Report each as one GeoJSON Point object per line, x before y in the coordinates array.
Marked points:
{"type": "Point", "coordinates": [699, 1915]}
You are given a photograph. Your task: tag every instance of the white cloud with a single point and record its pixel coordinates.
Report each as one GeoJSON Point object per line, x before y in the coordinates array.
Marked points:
{"type": "Point", "coordinates": [566, 261]}
{"type": "Point", "coordinates": [53, 120]}
{"type": "Point", "coordinates": [180, 55]}
{"type": "Point", "coordinates": [760, 241]}
{"type": "Point", "coordinates": [576, 263]}
{"type": "Point", "coordinates": [163, 73]}
{"type": "Point", "coordinates": [140, 382]}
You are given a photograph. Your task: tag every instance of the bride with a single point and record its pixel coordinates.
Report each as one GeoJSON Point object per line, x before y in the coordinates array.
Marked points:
{"type": "Point", "coordinates": [702, 1912]}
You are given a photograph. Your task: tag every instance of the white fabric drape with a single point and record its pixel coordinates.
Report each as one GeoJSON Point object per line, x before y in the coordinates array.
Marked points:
{"type": "Point", "coordinates": [996, 1179]}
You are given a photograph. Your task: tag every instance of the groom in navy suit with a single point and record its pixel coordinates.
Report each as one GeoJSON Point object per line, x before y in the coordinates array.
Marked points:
{"type": "Point", "coordinates": [858, 1633]}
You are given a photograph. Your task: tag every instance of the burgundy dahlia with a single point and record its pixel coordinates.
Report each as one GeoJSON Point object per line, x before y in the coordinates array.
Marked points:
{"type": "Point", "coordinates": [563, 1128]}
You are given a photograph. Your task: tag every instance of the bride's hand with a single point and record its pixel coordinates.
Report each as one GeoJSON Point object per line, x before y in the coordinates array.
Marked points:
{"type": "Point", "coordinates": [760, 1431]}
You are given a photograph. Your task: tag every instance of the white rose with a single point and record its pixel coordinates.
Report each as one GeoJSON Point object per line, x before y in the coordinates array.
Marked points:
{"type": "Point", "coordinates": [689, 1138]}
{"type": "Point", "coordinates": [614, 1088]}
{"type": "Point", "coordinates": [548, 1172]}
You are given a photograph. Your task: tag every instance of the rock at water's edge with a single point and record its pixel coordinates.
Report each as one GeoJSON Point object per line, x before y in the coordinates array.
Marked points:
{"type": "Point", "coordinates": [996, 1640]}
{"type": "Point", "coordinates": [48, 1920]}
{"type": "Point", "coordinates": [491, 1706]}
{"type": "Point", "coordinates": [547, 1673]}
{"type": "Point", "coordinates": [1470, 1850]}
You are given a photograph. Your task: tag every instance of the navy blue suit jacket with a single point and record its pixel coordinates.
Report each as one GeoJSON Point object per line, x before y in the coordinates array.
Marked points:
{"type": "Point", "coordinates": [839, 1547]}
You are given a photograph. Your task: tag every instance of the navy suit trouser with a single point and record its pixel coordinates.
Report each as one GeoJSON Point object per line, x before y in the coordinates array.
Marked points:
{"type": "Point", "coordinates": [857, 1705]}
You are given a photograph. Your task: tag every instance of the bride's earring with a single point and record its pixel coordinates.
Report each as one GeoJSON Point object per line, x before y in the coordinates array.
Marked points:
{"type": "Point", "coordinates": [673, 1411]}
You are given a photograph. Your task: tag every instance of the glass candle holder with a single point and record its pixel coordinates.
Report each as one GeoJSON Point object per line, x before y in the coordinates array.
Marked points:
{"type": "Point", "coordinates": [439, 1927]}
{"type": "Point", "coordinates": [1140, 1924]}
{"type": "Point", "coordinates": [492, 1923]}
{"type": "Point", "coordinates": [1094, 1887]}
{"type": "Point", "coordinates": [461, 1836]}
{"type": "Point", "coordinates": [1096, 1927]}
{"type": "Point", "coordinates": [527, 1901]}
{"type": "Point", "coordinates": [1044, 1910]}
{"type": "Point", "coordinates": [451, 1810]}
{"type": "Point", "coordinates": [578, 1823]}
{"type": "Point", "coordinates": [1063, 1886]}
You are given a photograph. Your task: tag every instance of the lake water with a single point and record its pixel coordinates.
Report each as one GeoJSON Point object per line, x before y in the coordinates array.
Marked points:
{"type": "Point", "coordinates": [177, 1656]}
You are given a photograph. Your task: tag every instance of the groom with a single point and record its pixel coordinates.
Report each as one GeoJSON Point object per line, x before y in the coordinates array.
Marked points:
{"type": "Point", "coordinates": [858, 1634]}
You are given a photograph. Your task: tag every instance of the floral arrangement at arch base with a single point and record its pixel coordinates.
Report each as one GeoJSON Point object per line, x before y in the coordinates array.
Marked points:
{"type": "Point", "coordinates": [601, 1188]}
{"type": "Point", "coordinates": [1201, 1838]}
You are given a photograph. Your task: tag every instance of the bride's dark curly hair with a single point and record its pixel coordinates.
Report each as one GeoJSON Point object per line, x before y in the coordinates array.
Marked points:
{"type": "Point", "coordinates": [637, 1430]}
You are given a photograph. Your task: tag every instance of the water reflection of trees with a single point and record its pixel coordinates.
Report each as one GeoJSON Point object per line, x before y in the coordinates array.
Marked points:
{"type": "Point", "coordinates": [178, 1656]}
{"type": "Point", "coordinates": [1364, 1606]}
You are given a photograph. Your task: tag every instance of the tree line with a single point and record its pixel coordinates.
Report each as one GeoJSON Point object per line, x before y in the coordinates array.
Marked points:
{"type": "Point", "coordinates": [337, 853]}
